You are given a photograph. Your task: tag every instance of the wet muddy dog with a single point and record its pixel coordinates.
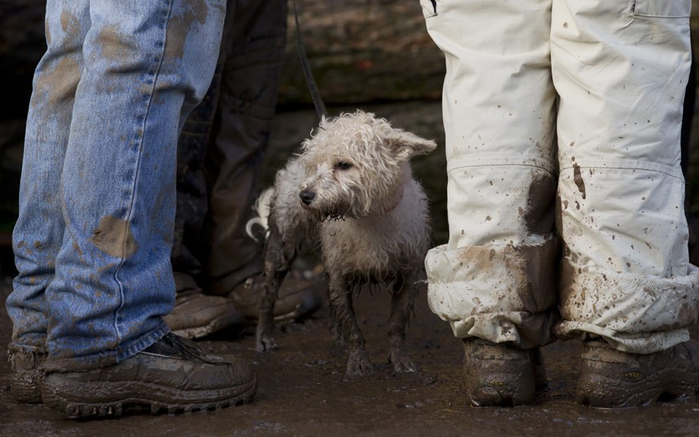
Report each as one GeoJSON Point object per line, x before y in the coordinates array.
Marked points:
{"type": "Point", "coordinates": [351, 195]}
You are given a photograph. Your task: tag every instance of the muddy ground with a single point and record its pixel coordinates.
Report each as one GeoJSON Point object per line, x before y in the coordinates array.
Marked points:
{"type": "Point", "coordinates": [304, 392]}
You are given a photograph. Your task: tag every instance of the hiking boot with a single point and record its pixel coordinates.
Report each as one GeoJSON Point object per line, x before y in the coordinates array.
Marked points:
{"type": "Point", "coordinates": [501, 374]}
{"type": "Point", "coordinates": [611, 378]}
{"type": "Point", "coordinates": [25, 374]}
{"type": "Point", "coordinates": [197, 315]}
{"type": "Point", "coordinates": [298, 298]}
{"type": "Point", "coordinates": [171, 376]}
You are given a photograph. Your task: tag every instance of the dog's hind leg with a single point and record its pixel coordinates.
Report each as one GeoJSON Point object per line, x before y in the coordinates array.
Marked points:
{"type": "Point", "coordinates": [402, 300]}
{"type": "Point", "coordinates": [345, 322]}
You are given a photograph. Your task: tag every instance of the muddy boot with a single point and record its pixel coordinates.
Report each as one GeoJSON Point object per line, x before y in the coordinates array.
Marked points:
{"type": "Point", "coordinates": [25, 374]}
{"type": "Point", "coordinates": [196, 314]}
{"type": "Point", "coordinates": [500, 374]}
{"type": "Point", "coordinates": [171, 376]}
{"type": "Point", "coordinates": [298, 298]}
{"type": "Point", "coordinates": [611, 378]}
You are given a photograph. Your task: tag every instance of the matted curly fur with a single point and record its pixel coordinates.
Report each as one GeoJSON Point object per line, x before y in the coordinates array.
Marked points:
{"type": "Point", "coordinates": [352, 194]}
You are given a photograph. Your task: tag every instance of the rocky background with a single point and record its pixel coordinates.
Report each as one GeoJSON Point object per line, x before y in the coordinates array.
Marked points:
{"type": "Point", "coordinates": [373, 54]}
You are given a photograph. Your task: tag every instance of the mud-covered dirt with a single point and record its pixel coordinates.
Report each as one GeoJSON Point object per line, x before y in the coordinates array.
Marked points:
{"type": "Point", "coordinates": [304, 391]}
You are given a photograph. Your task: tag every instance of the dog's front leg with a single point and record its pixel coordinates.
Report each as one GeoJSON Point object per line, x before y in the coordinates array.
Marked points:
{"type": "Point", "coordinates": [402, 300]}
{"type": "Point", "coordinates": [277, 264]}
{"type": "Point", "coordinates": [358, 362]}
{"type": "Point", "coordinates": [265, 323]}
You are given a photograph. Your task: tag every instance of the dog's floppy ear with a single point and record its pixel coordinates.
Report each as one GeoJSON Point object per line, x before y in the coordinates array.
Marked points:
{"type": "Point", "coordinates": [406, 145]}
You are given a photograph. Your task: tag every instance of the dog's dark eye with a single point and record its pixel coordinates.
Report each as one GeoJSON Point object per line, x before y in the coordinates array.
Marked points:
{"type": "Point", "coordinates": [343, 165]}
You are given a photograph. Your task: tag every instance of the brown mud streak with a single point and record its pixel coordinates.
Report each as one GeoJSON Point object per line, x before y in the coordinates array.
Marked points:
{"type": "Point", "coordinates": [114, 237]}
{"type": "Point", "coordinates": [577, 177]}
{"type": "Point", "coordinates": [534, 271]}
{"type": "Point", "coordinates": [179, 27]}
{"type": "Point", "coordinates": [539, 217]}
{"type": "Point", "coordinates": [62, 81]}
{"type": "Point", "coordinates": [115, 45]}
{"type": "Point", "coordinates": [69, 23]}
{"type": "Point", "coordinates": [537, 267]}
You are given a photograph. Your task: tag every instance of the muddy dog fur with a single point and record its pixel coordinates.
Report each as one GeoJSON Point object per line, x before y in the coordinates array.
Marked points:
{"type": "Point", "coordinates": [351, 195]}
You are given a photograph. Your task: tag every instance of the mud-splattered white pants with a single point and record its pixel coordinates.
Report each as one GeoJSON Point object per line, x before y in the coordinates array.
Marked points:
{"type": "Point", "coordinates": [565, 193]}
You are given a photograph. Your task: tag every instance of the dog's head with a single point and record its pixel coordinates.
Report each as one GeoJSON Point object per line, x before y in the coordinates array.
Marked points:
{"type": "Point", "coordinates": [355, 164]}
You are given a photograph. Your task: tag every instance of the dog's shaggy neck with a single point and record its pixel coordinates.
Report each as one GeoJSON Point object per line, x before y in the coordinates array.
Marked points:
{"type": "Point", "coordinates": [392, 201]}
{"type": "Point", "coordinates": [397, 198]}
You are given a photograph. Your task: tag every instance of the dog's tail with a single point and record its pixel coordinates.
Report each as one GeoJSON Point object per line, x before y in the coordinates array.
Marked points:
{"type": "Point", "coordinates": [262, 207]}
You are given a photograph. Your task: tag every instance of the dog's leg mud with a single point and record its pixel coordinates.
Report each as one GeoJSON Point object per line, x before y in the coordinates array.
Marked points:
{"type": "Point", "coordinates": [265, 324]}
{"type": "Point", "coordinates": [402, 301]}
{"type": "Point", "coordinates": [358, 363]}
{"type": "Point", "coordinates": [279, 255]}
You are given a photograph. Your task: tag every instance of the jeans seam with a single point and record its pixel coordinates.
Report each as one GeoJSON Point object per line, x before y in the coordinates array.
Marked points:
{"type": "Point", "coordinates": [130, 210]}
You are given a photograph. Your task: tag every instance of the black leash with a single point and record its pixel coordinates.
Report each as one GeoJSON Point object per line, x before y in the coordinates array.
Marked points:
{"type": "Point", "coordinates": [307, 72]}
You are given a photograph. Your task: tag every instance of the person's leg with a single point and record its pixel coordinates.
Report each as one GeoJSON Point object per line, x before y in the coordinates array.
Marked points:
{"type": "Point", "coordinates": [39, 230]}
{"type": "Point", "coordinates": [192, 201]}
{"type": "Point", "coordinates": [621, 68]}
{"type": "Point", "coordinates": [495, 280]}
{"type": "Point", "coordinates": [232, 124]}
{"type": "Point", "coordinates": [145, 66]}
{"type": "Point", "coordinates": [253, 59]}
{"type": "Point", "coordinates": [197, 314]}
{"type": "Point", "coordinates": [113, 275]}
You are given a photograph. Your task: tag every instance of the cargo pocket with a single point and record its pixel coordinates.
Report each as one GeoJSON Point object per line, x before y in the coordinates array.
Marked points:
{"type": "Point", "coordinates": [661, 8]}
{"type": "Point", "coordinates": [429, 8]}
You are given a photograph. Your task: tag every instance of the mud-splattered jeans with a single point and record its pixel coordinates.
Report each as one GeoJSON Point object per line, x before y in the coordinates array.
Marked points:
{"type": "Point", "coordinates": [97, 197]}
{"type": "Point", "coordinates": [563, 124]}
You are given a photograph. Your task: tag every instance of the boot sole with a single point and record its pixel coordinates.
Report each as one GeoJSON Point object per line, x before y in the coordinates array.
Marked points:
{"type": "Point", "coordinates": [614, 379]}
{"type": "Point", "coordinates": [600, 396]}
{"type": "Point", "coordinates": [121, 397]}
{"type": "Point", "coordinates": [500, 391]}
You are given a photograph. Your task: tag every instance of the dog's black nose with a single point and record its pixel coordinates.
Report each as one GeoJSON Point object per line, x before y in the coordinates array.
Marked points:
{"type": "Point", "coordinates": [307, 196]}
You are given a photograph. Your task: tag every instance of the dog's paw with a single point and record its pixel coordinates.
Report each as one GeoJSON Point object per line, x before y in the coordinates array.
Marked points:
{"type": "Point", "coordinates": [266, 343]}
{"type": "Point", "coordinates": [358, 364]}
{"type": "Point", "coordinates": [402, 362]}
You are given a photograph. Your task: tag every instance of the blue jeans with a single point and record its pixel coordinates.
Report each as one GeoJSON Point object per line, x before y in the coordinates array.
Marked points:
{"type": "Point", "coordinates": [97, 198]}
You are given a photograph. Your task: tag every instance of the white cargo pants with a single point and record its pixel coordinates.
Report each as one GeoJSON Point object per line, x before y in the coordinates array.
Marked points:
{"type": "Point", "coordinates": [565, 193]}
